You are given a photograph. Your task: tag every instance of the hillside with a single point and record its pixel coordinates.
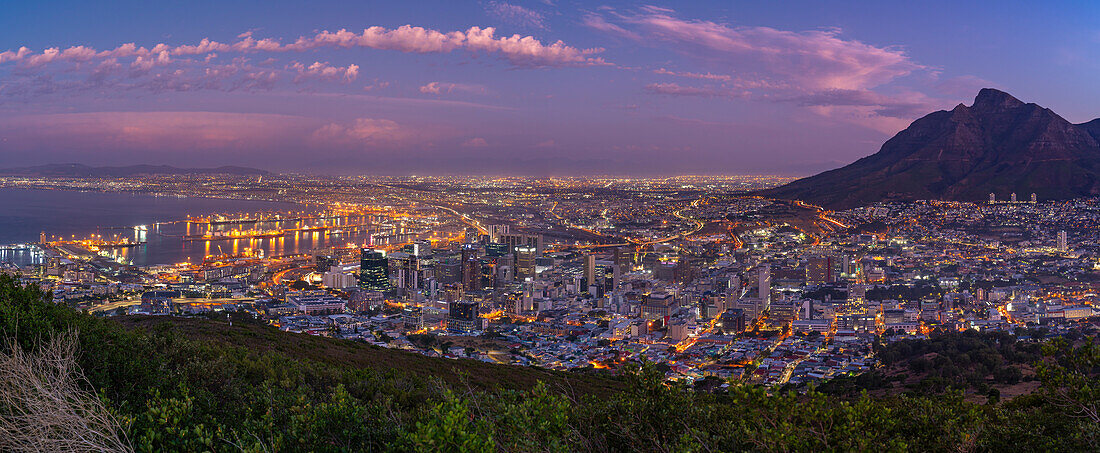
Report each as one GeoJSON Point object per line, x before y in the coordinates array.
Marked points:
{"type": "Point", "coordinates": [72, 382]}
{"type": "Point", "coordinates": [997, 145]}
{"type": "Point", "coordinates": [263, 339]}
{"type": "Point", "coordinates": [993, 365]}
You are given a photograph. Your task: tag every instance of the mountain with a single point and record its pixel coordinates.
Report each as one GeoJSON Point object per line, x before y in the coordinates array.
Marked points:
{"type": "Point", "coordinates": [84, 171]}
{"type": "Point", "coordinates": [997, 145]}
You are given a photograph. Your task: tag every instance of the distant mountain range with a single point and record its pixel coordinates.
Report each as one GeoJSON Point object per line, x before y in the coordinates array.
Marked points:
{"type": "Point", "coordinates": [997, 145]}
{"type": "Point", "coordinates": [84, 171]}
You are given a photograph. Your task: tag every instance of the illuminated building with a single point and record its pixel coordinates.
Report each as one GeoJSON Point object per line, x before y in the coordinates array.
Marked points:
{"type": "Point", "coordinates": [462, 316]}
{"type": "Point", "coordinates": [765, 285]}
{"type": "Point", "coordinates": [819, 270]}
{"type": "Point", "coordinates": [496, 231]}
{"type": "Point", "coordinates": [512, 241]}
{"type": "Point", "coordinates": [590, 269]}
{"type": "Point", "coordinates": [732, 321]}
{"type": "Point", "coordinates": [374, 270]}
{"type": "Point", "coordinates": [494, 250]}
{"type": "Point", "coordinates": [525, 262]}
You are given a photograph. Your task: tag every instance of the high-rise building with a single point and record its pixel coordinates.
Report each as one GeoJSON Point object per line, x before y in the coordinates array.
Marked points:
{"type": "Point", "coordinates": [471, 235]}
{"type": "Point", "coordinates": [525, 262]}
{"type": "Point", "coordinates": [471, 274]}
{"type": "Point", "coordinates": [494, 250]}
{"type": "Point", "coordinates": [448, 271]}
{"type": "Point", "coordinates": [496, 231]}
{"type": "Point", "coordinates": [732, 321]}
{"type": "Point", "coordinates": [374, 270]}
{"type": "Point", "coordinates": [418, 249]}
{"type": "Point", "coordinates": [765, 277]}
{"type": "Point", "coordinates": [462, 316]}
{"type": "Point", "coordinates": [408, 271]}
{"type": "Point", "coordinates": [624, 257]}
{"type": "Point", "coordinates": [819, 270]}
{"type": "Point", "coordinates": [1062, 241]}
{"type": "Point", "coordinates": [1034, 198]}
{"type": "Point", "coordinates": [590, 269]}
{"type": "Point", "coordinates": [992, 197]}
{"type": "Point", "coordinates": [513, 240]}
{"type": "Point", "coordinates": [1013, 197]}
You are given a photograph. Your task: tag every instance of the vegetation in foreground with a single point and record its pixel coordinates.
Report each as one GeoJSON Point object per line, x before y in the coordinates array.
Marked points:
{"type": "Point", "coordinates": [87, 384]}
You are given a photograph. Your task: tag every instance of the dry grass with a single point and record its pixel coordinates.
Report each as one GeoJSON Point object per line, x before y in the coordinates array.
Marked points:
{"type": "Point", "coordinates": [44, 408]}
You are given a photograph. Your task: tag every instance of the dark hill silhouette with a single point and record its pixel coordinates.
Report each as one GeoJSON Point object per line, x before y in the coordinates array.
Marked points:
{"type": "Point", "coordinates": [997, 145]}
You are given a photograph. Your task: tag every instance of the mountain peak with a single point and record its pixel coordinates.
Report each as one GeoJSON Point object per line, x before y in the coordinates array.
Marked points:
{"type": "Point", "coordinates": [994, 99]}
{"type": "Point", "coordinates": [998, 145]}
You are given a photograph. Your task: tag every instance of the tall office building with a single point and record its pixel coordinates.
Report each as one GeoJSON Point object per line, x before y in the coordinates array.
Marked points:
{"type": "Point", "coordinates": [590, 269]}
{"type": "Point", "coordinates": [1034, 198]}
{"type": "Point", "coordinates": [525, 262]}
{"type": "Point", "coordinates": [819, 270]}
{"type": "Point", "coordinates": [419, 248]}
{"type": "Point", "coordinates": [471, 269]}
{"type": "Point", "coordinates": [513, 240]}
{"type": "Point", "coordinates": [1013, 197]}
{"type": "Point", "coordinates": [494, 250]}
{"type": "Point", "coordinates": [408, 271]}
{"type": "Point", "coordinates": [1062, 241]}
{"type": "Point", "coordinates": [374, 270]}
{"type": "Point", "coordinates": [496, 231]}
{"type": "Point", "coordinates": [624, 257]}
{"type": "Point", "coordinates": [462, 316]}
{"type": "Point", "coordinates": [765, 285]}
{"type": "Point", "coordinates": [471, 235]}
{"type": "Point", "coordinates": [992, 197]}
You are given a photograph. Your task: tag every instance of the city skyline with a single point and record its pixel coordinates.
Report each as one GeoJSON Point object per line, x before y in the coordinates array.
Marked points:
{"type": "Point", "coordinates": [526, 88]}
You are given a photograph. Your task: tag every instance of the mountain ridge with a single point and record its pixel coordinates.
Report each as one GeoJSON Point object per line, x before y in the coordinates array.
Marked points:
{"type": "Point", "coordinates": [998, 145]}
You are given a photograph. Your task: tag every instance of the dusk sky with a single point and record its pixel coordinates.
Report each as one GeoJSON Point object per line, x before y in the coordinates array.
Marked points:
{"type": "Point", "coordinates": [520, 87]}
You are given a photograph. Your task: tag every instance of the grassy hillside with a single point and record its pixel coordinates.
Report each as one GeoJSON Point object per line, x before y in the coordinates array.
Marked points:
{"type": "Point", "coordinates": [263, 339]}
{"type": "Point", "coordinates": [72, 382]}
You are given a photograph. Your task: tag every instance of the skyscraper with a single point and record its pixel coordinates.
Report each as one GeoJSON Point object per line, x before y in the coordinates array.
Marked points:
{"type": "Point", "coordinates": [819, 270]}
{"type": "Point", "coordinates": [525, 262]}
{"type": "Point", "coordinates": [495, 231]}
{"type": "Point", "coordinates": [471, 269]}
{"type": "Point", "coordinates": [374, 270]}
{"type": "Point", "coordinates": [513, 240]}
{"type": "Point", "coordinates": [1062, 242]}
{"type": "Point", "coordinates": [590, 269]}
{"type": "Point", "coordinates": [765, 285]}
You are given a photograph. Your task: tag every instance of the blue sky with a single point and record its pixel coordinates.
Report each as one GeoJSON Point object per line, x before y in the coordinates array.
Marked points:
{"type": "Point", "coordinates": [554, 88]}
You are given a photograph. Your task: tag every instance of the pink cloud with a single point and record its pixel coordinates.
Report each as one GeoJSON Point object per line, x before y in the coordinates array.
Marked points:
{"type": "Point", "coordinates": [447, 88]}
{"type": "Point", "coordinates": [193, 66]}
{"type": "Point", "coordinates": [324, 71]}
{"type": "Point", "coordinates": [519, 50]}
{"type": "Point", "coordinates": [136, 131]}
{"type": "Point", "coordinates": [694, 75]}
{"type": "Point", "coordinates": [810, 60]}
{"type": "Point", "coordinates": [476, 142]}
{"type": "Point", "coordinates": [675, 89]}
{"type": "Point", "coordinates": [363, 131]}
{"type": "Point", "coordinates": [598, 22]}
{"type": "Point", "coordinates": [518, 15]}
{"type": "Point", "coordinates": [17, 55]}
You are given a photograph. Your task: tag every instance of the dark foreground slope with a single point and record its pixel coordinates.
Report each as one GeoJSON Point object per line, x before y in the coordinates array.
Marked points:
{"type": "Point", "coordinates": [997, 145]}
{"type": "Point", "coordinates": [201, 386]}
{"type": "Point", "coordinates": [263, 339]}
